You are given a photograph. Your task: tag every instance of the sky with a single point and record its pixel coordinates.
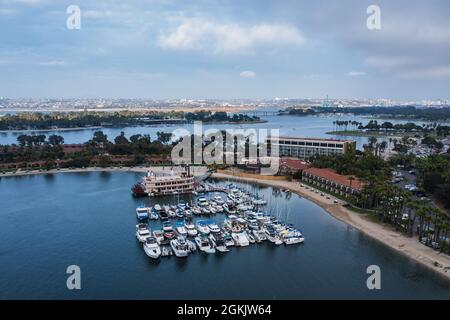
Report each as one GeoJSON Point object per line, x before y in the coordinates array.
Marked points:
{"type": "Point", "coordinates": [225, 49]}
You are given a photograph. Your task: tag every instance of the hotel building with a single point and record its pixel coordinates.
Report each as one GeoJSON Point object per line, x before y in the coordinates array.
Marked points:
{"type": "Point", "coordinates": [331, 181]}
{"type": "Point", "coordinates": [305, 148]}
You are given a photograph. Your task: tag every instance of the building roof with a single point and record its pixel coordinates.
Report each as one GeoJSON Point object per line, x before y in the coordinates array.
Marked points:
{"type": "Point", "coordinates": [332, 175]}
{"type": "Point", "coordinates": [293, 164]}
{"type": "Point", "coordinates": [313, 139]}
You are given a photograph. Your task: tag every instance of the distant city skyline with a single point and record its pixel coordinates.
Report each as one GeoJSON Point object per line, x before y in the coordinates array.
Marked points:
{"type": "Point", "coordinates": [212, 49]}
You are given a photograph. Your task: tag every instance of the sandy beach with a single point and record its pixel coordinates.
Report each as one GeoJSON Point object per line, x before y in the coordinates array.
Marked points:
{"type": "Point", "coordinates": [384, 233]}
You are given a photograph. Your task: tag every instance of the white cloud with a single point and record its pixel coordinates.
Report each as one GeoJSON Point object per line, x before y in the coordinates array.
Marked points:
{"type": "Point", "coordinates": [199, 34]}
{"type": "Point", "coordinates": [52, 63]}
{"type": "Point", "coordinates": [247, 74]}
{"type": "Point", "coordinates": [356, 73]}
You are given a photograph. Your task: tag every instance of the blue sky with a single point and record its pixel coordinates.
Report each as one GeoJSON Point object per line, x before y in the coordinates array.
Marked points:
{"type": "Point", "coordinates": [225, 49]}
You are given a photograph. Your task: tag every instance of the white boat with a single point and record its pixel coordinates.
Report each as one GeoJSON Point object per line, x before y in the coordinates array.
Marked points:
{"type": "Point", "coordinates": [179, 247]}
{"type": "Point", "coordinates": [142, 213]}
{"type": "Point", "coordinates": [214, 228]}
{"type": "Point", "coordinates": [250, 237]}
{"type": "Point", "coordinates": [202, 202]}
{"type": "Point", "coordinates": [151, 248]}
{"type": "Point", "coordinates": [190, 229]}
{"type": "Point", "coordinates": [181, 229]}
{"type": "Point", "coordinates": [142, 232]}
{"type": "Point", "coordinates": [205, 244]}
{"type": "Point", "coordinates": [259, 235]}
{"type": "Point", "coordinates": [202, 227]}
{"type": "Point", "coordinates": [232, 224]}
{"type": "Point", "coordinates": [218, 199]}
{"type": "Point", "coordinates": [292, 236]}
{"type": "Point", "coordinates": [219, 242]}
{"type": "Point", "coordinates": [205, 210]}
{"type": "Point", "coordinates": [219, 209]}
{"type": "Point", "coordinates": [272, 236]}
{"type": "Point", "coordinates": [212, 210]}
{"type": "Point", "coordinates": [159, 236]}
{"type": "Point", "coordinates": [240, 239]}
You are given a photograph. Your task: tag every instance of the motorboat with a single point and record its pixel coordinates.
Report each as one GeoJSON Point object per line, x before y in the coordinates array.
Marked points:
{"type": "Point", "coordinates": [205, 244]}
{"type": "Point", "coordinates": [229, 242]}
{"type": "Point", "coordinates": [159, 236]}
{"type": "Point", "coordinates": [212, 209]}
{"type": "Point", "coordinates": [219, 242]}
{"type": "Point", "coordinates": [250, 237]}
{"type": "Point", "coordinates": [202, 202]}
{"type": "Point", "coordinates": [142, 213]}
{"type": "Point", "coordinates": [152, 248]}
{"type": "Point", "coordinates": [259, 235]}
{"type": "Point", "coordinates": [205, 210]}
{"type": "Point", "coordinates": [180, 247]}
{"type": "Point", "coordinates": [181, 229]}
{"type": "Point", "coordinates": [240, 239]}
{"type": "Point", "coordinates": [218, 200]}
{"type": "Point", "coordinates": [214, 228]}
{"type": "Point", "coordinates": [219, 209]}
{"type": "Point", "coordinates": [196, 210]}
{"type": "Point", "coordinates": [160, 212]}
{"type": "Point", "coordinates": [232, 224]}
{"type": "Point", "coordinates": [179, 213]}
{"type": "Point", "coordinates": [272, 236]}
{"type": "Point", "coordinates": [168, 231]}
{"type": "Point", "coordinates": [259, 202]}
{"type": "Point", "coordinates": [182, 205]}
{"type": "Point", "coordinates": [188, 213]}
{"type": "Point", "coordinates": [202, 227]}
{"type": "Point", "coordinates": [142, 232]}
{"type": "Point", "coordinates": [152, 215]}
{"type": "Point", "coordinates": [292, 236]}
{"type": "Point", "coordinates": [190, 229]}
{"type": "Point", "coordinates": [253, 224]}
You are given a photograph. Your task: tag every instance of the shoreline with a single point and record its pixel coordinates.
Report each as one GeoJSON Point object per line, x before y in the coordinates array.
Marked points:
{"type": "Point", "coordinates": [408, 246]}
{"type": "Point", "coordinates": [383, 233]}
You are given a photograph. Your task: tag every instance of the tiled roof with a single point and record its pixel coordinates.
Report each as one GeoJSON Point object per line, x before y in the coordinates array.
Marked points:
{"type": "Point", "coordinates": [293, 164]}
{"type": "Point", "coordinates": [332, 175]}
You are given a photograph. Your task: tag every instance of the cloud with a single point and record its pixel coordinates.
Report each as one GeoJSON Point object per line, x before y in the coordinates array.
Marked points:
{"type": "Point", "coordinates": [356, 73]}
{"type": "Point", "coordinates": [52, 63]}
{"type": "Point", "coordinates": [200, 34]}
{"type": "Point", "coordinates": [247, 74]}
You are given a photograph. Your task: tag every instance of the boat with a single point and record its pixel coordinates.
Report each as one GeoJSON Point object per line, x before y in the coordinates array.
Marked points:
{"type": "Point", "coordinates": [218, 199]}
{"type": "Point", "coordinates": [272, 236]}
{"type": "Point", "coordinates": [204, 244]}
{"type": "Point", "coordinates": [259, 235]}
{"type": "Point", "coordinates": [240, 239]}
{"type": "Point", "coordinates": [190, 229]}
{"type": "Point", "coordinates": [179, 213]}
{"type": "Point", "coordinates": [229, 242]}
{"type": "Point", "coordinates": [159, 236]}
{"type": "Point", "coordinates": [205, 210]}
{"type": "Point", "coordinates": [202, 227]}
{"type": "Point", "coordinates": [202, 202]}
{"type": "Point", "coordinates": [250, 237]}
{"type": "Point", "coordinates": [142, 232]}
{"type": "Point", "coordinates": [181, 229]}
{"type": "Point", "coordinates": [212, 210]}
{"type": "Point", "coordinates": [188, 213]}
{"type": "Point", "coordinates": [180, 247]}
{"type": "Point", "coordinates": [196, 210]}
{"type": "Point", "coordinates": [138, 190]}
{"type": "Point", "coordinates": [214, 228]}
{"type": "Point", "coordinates": [153, 215]}
{"type": "Point", "coordinates": [142, 213]}
{"type": "Point", "coordinates": [232, 224]}
{"type": "Point", "coordinates": [219, 242]}
{"type": "Point", "coordinates": [168, 232]}
{"type": "Point", "coordinates": [219, 209]}
{"type": "Point", "coordinates": [292, 236]}
{"type": "Point", "coordinates": [160, 212]}
{"type": "Point", "coordinates": [151, 248]}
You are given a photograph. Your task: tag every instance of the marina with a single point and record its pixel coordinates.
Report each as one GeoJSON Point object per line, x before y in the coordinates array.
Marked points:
{"type": "Point", "coordinates": [95, 231]}
{"type": "Point", "coordinates": [239, 221]}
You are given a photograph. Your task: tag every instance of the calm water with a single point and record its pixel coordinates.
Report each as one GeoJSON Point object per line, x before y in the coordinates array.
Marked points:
{"type": "Point", "coordinates": [309, 126]}
{"type": "Point", "coordinates": [48, 222]}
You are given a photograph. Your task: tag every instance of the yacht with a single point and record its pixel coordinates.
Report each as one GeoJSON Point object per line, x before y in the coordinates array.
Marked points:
{"type": "Point", "coordinates": [159, 236]}
{"type": "Point", "coordinates": [292, 236]}
{"type": "Point", "coordinates": [250, 237]}
{"type": "Point", "coordinates": [214, 228]}
{"type": "Point", "coordinates": [259, 235]}
{"type": "Point", "coordinates": [205, 210]}
{"type": "Point", "coordinates": [212, 209]}
{"type": "Point", "coordinates": [179, 213]}
{"type": "Point", "coordinates": [179, 247]}
{"type": "Point", "coordinates": [219, 242]}
{"type": "Point", "coordinates": [190, 229]}
{"type": "Point", "coordinates": [142, 213]}
{"type": "Point", "coordinates": [204, 244]}
{"type": "Point", "coordinates": [218, 200]}
{"type": "Point", "coordinates": [272, 236]}
{"type": "Point", "coordinates": [142, 232]}
{"type": "Point", "coordinates": [202, 202]}
{"type": "Point", "coordinates": [188, 213]}
{"type": "Point", "coordinates": [229, 242]}
{"type": "Point", "coordinates": [160, 212]}
{"type": "Point", "coordinates": [219, 209]}
{"type": "Point", "coordinates": [168, 232]}
{"type": "Point", "coordinates": [196, 210]}
{"type": "Point", "coordinates": [232, 224]}
{"type": "Point", "coordinates": [151, 248]}
{"type": "Point", "coordinates": [240, 239]}
{"type": "Point", "coordinates": [181, 229]}
{"type": "Point", "coordinates": [202, 227]}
